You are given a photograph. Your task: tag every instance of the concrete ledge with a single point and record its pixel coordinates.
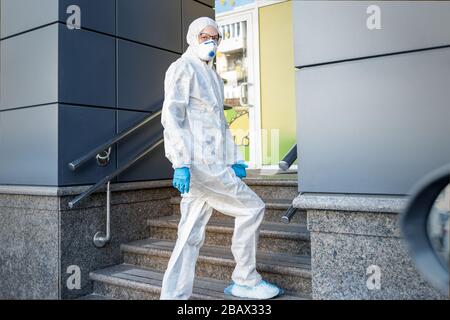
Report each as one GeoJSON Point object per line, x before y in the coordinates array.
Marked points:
{"type": "Point", "coordinates": [57, 198]}
{"type": "Point", "coordinates": [74, 190]}
{"type": "Point", "coordinates": [351, 202]}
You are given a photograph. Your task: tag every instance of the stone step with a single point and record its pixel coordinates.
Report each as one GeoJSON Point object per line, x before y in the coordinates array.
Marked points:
{"type": "Point", "coordinates": [273, 237]}
{"type": "Point", "coordinates": [130, 282]}
{"type": "Point", "coordinates": [274, 186]}
{"type": "Point", "coordinates": [292, 272]}
{"type": "Point", "coordinates": [275, 209]}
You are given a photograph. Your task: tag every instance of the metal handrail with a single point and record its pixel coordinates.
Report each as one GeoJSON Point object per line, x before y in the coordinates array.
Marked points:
{"type": "Point", "coordinates": [74, 165]}
{"type": "Point", "coordinates": [144, 151]}
{"type": "Point", "coordinates": [288, 159]}
{"type": "Point", "coordinates": [290, 212]}
{"type": "Point", "coordinates": [284, 165]}
{"type": "Point", "coordinates": [101, 239]}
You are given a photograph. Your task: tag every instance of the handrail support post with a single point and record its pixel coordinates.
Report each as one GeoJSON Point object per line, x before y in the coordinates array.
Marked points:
{"type": "Point", "coordinates": [100, 239]}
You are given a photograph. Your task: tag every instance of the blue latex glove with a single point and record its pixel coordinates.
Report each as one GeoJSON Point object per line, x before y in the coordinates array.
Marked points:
{"type": "Point", "coordinates": [182, 179]}
{"type": "Point", "coordinates": [239, 169]}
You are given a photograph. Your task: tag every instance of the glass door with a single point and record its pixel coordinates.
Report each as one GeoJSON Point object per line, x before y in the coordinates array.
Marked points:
{"type": "Point", "coordinates": [234, 64]}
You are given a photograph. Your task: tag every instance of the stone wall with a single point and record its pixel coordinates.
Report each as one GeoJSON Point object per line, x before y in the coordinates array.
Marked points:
{"type": "Point", "coordinates": [41, 237]}
{"type": "Point", "coordinates": [357, 251]}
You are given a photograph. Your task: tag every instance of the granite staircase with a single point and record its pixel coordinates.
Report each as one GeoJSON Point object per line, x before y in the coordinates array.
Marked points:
{"type": "Point", "coordinates": [283, 256]}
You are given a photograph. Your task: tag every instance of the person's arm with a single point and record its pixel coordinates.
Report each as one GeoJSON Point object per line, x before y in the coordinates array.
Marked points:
{"type": "Point", "coordinates": [177, 142]}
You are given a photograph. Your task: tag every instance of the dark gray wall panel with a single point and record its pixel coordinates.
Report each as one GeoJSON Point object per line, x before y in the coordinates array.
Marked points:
{"type": "Point", "coordinates": [98, 15]}
{"type": "Point", "coordinates": [191, 11]}
{"type": "Point", "coordinates": [80, 130]}
{"type": "Point", "coordinates": [336, 30]}
{"type": "Point", "coordinates": [29, 68]}
{"type": "Point", "coordinates": [155, 165]}
{"type": "Point", "coordinates": [29, 146]}
{"type": "Point", "coordinates": [373, 126]}
{"type": "Point", "coordinates": [141, 72]}
{"type": "Point", "coordinates": [21, 15]}
{"type": "Point", "coordinates": [86, 68]}
{"type": "Point", "coordinates": [152, 22]}
{"type": "Point", "coordinates": [29, 64]}
{"type": "Point", "coordinates": [78, 68]}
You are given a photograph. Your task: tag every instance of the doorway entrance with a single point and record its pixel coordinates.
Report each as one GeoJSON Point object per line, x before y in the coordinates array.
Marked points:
{"type": "Point", "coordinates": [235, 63]}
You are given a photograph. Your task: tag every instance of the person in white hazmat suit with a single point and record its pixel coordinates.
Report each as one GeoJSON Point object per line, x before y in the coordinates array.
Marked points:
{"type": "Point", "coordinates": [208, 170]}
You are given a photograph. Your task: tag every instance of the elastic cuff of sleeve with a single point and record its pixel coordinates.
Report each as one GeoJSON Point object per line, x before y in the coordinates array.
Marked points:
{"type": "Point", "coordinates": [181, 166]}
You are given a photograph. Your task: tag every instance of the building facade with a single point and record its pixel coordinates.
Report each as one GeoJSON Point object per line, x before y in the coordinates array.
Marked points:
{"type": "Point", "coordinates": [360, 87]}
{"type": "Point", "coordinates": [75, 74]}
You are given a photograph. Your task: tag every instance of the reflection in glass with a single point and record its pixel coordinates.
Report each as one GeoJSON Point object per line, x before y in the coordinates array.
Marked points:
{"type": "Point", "coordinates": [438, 226]}
{"type": "Point", "coordinates": [232, 66]}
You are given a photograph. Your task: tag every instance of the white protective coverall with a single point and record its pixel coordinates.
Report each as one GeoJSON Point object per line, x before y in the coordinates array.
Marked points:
{"type": "Point", "coordinates": [196, 135]}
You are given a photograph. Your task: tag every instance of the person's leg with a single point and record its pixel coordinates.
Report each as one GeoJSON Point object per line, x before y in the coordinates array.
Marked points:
{"type": "Point", "coordinates": [233, 197]}
{"type": "Point", "coordinates": [179, 276]}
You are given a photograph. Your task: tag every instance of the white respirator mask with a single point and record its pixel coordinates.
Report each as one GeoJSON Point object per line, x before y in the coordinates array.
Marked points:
{"type": "Point", "coordinates": [207, 50]}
